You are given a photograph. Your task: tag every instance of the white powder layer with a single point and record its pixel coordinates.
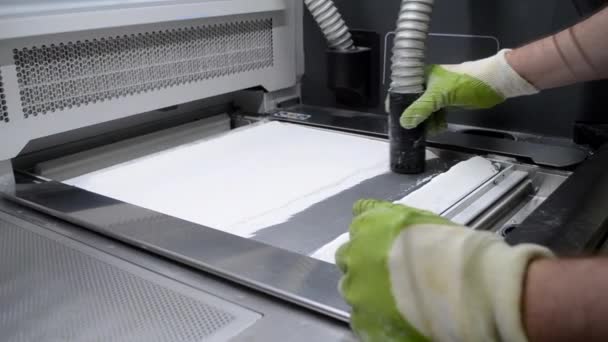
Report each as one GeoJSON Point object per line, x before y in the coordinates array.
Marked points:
{"type": "Point", "coordinates": [246, 180]}
{"type": "Point", "coordinates": [440, 194]}
{"type": "Point", "coordinates": [327, 253]}
{"type": "Point", "coordinates": [445, 190]}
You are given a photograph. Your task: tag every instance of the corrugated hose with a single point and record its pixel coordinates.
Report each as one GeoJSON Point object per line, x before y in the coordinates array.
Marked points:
{"type": "Point", "coordinates": [409, 50]}
{"type": "Point", "coordinates": [331, 23]}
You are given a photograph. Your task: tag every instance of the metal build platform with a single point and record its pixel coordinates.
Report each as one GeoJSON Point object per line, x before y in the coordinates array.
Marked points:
{"type": "Point", "coordinates": [63, 283]}
{"type": "Point", "coordinates": [275, 261]}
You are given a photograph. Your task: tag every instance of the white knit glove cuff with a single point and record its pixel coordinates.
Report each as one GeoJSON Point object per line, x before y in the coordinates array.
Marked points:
{"type": "Point", "coordinates": [457, 284]}
{"type": "Point", "coordinates": [496, 72]}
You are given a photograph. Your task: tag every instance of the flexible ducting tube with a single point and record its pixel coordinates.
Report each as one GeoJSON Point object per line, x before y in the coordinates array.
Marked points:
{"type": "Point", "coordinates": [408, 146]}
{"type": "Point", "coordinates": [409, 50]}
{"type": "Point", "coordinates": [331, 23]}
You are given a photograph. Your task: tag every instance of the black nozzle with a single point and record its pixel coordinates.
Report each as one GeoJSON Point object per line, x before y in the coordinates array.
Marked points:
{"type": "Point", "coordinates": [407, 146]}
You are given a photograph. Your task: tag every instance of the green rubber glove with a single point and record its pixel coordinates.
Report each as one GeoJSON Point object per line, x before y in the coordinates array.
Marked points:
{"type": "Point", "coordinates": [479, 84]}
{"type": "Point", "coordinates": [411, 275]}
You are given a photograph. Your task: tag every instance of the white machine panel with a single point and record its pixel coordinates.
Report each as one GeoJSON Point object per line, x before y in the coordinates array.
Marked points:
{"type": "Point", "coordinates": [53, 83]}
{"type": "Point", "coordinates": [28, 18]}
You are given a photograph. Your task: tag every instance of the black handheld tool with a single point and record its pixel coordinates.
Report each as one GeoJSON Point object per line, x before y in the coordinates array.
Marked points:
{"type": "Point", "coordinates": [407, 146]}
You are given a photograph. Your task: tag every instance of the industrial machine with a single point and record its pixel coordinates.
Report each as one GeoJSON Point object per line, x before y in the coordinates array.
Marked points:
{"type": "Point", "coordinates": [170, 169]}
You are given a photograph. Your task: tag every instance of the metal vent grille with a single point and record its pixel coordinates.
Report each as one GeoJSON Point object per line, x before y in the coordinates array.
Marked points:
{"type": "Point", "coordinates": [57, 77]}
{"type": "Point", "coordinates": [51, 291]}
{"type": "Point", "coordinates": [3, 108]}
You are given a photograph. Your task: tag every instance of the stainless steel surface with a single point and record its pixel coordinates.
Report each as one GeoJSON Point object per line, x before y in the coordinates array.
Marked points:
{"type": "Point", "coordinates": [513, 198]}
{"type": "Point", "coordinates": [266, 266]}
{"type": "Point", "coordinates": [540, 154]}
{"type": "Point", "coordinates": [7, 179]}
{"type": "Point", "coordinates": [91, 160]}
{"type": "Point", "coordinates": [509, 198]}
{"type": "Point", "coordinates": [483, 198]}
{"type": "Point", "coordinates": [289, 276]}
{"type": "Point", "coordinates": [280, 321]}
{"type": "Point", "coordinates": [55, 289]}
{"type": "Point", "coordinates": [275, 260]}
{"type": "Point", "coordinates": [544, 183]}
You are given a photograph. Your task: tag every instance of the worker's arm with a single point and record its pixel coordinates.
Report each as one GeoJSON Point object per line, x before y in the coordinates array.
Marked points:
{"type": "Point", "coordinates": [411, 275]}
{"type": "Point", "coordinates": [575, 55]}
{"type": "Point", "coordinates": [567, 300]}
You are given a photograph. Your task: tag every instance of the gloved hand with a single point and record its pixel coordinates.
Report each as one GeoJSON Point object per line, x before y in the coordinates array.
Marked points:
{"type": "Point", "coordinates": [474, 85]}
{"type": "Point", "coordinates": [411, 275]}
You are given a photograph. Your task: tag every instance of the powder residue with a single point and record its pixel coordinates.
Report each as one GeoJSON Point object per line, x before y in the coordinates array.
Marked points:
{"type": "Point", "coordinates": [440, 194]}
{"type": "Point", "coordinates": [445, 190]}
{"type": "Point", "coordinates": [327, 253]}
{"type": "Point", "coordinates": [246, 180]}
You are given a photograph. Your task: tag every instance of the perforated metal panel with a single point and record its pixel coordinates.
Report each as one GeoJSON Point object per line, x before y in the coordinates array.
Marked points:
{"type": "Point", "coordinates": [53, 289]}
{"type": "Point", "coordinates": [3, 108]}
{"type": "Point", "coordinates": [76, 73]}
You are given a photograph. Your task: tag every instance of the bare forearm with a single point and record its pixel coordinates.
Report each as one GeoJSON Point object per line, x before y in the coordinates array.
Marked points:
{"type": "Point", "coordinates": [566, 300]}
{"type": "Point", "coordinates": [577, 54]}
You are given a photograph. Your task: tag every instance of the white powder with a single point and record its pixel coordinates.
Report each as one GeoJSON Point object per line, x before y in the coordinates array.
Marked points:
{"type": "Point", "coordinates": [244, 181]}
{"type": "Point", "coordinates": [327, 253]}
{"type": "Point", "coordinates": [441, 193]}
{"type": "Point", "coordinates": [448, 188]}
{"type": "Point", "coordinates": [291, 207]}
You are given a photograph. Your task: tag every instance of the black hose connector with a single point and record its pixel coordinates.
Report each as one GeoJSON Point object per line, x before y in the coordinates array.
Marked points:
{"type": "Point", "coordinates": [349, 75]}
{"type": "Point", "coordinates": [407, 146]}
